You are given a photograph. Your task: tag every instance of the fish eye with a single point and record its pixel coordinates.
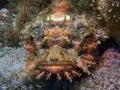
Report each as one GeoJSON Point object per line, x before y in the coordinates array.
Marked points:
{"type": "Point", "coordinates": [82, 28]}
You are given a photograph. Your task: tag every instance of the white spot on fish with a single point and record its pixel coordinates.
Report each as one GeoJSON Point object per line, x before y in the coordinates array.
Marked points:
{"type": "Point", "coordinates": [113, 4]}
{"type": "Point", "coordinates": [93, 1]}
{"type": "Point", "coordinates": [114, 16]}
{"type": "Point", "coordinates": [117, 5]}
{"type": "Point", "coordinates": [91, 4]}
{"type": "Point", "coordinates": [99, 15]}
{"type": "Point", "coordinates": [110, 10]}
{"type": "Point", "coordinates": [99, 18]}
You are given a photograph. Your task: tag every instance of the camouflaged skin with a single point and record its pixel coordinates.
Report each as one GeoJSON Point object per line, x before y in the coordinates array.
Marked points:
{"type": "Point", "coordinates": [61, 41]}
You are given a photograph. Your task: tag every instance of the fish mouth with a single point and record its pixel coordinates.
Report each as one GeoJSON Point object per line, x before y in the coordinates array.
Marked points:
{"type": "Point", "coordinates": [56, 67]}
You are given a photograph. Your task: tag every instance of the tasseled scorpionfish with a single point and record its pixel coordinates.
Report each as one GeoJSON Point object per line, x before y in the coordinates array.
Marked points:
{"type": "Point", "coordinates": [61, 43]}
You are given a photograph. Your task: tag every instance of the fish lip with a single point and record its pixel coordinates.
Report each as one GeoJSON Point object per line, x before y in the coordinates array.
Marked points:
{"type": "Point", "coordinates": [56, 67]}
{"type": "Point", "coordinates": [57, 63]}
{"type": "Point", "coordinates": [53, 68]}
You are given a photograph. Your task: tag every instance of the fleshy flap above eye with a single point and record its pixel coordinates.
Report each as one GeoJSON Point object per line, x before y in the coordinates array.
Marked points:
{"type": "Point", "coordinates": [58, 17]}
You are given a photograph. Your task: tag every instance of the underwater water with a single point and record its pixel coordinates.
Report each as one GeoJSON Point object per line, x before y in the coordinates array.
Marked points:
{"type": "Point", "coordinates": [53, 44]}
